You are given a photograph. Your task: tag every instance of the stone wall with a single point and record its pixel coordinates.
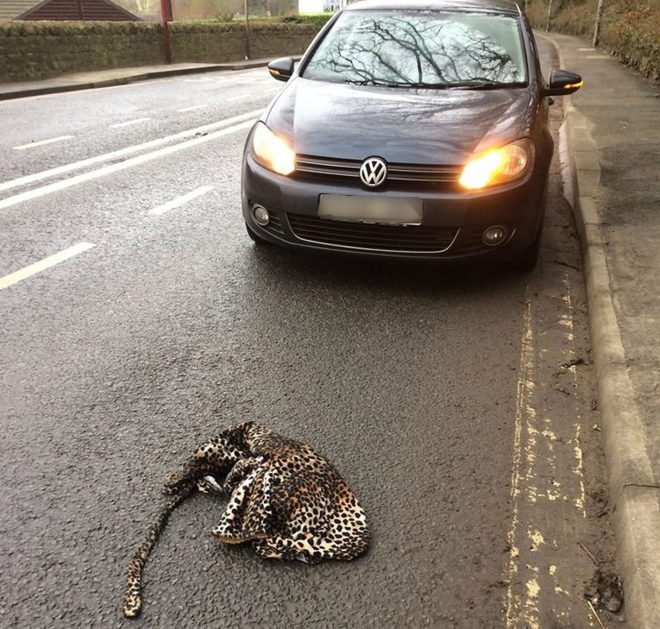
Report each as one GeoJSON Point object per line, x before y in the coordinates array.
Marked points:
{"type": "Point", "coordinates": [36, 50]}
{"type": "Point", "coordinates": [214, 43]}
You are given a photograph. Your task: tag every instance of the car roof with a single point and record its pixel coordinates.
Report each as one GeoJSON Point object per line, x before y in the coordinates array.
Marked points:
{"type": "Point", "coordinates": [496, 6]}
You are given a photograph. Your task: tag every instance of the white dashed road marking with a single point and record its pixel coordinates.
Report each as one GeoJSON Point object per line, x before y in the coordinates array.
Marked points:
{"type": "Point", "coordinates": [42, 265]}
{"type": "Point", "coordinates": [265, 93]}
{"type": "Point", "coordinates": [113, 168]}
{"type": "Point", "coordinates": [128, 123]}
{"type": "Point", "coordinates": [22, 147]}
{"type": "Point", "coordinates": [179, 201]}
{"type": "Point", "coordinates": [192, 108]}
{"type": "Point", "coordinates": [113, 155]}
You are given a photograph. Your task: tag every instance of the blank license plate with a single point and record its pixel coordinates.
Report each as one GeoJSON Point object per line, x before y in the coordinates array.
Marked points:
{"type": "Point", "coordinates": [367, 209]}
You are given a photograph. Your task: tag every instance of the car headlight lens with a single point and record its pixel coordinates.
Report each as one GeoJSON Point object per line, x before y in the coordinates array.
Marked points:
{"type": "Point", "coordinates": [272, 151]}
{"type": "Point", "coordinates": [498, 165]}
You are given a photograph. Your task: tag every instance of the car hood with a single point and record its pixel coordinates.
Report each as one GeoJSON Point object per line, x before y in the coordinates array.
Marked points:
{"type": "Point", "coordinates": [421, 126]}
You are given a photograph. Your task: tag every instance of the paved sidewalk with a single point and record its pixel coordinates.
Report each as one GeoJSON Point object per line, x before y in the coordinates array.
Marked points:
{"type": "Point", "coordinates": [610, 161]}
{"type": "Point", "coordinates": [117, 76]}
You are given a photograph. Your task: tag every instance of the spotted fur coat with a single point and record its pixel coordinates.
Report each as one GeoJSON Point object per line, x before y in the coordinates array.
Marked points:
{"type": "Point", "coordinates": [284, 498]}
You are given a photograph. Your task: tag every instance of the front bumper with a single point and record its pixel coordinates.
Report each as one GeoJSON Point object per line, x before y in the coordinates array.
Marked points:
{"type": "Point", "coordinates": [452, 220]}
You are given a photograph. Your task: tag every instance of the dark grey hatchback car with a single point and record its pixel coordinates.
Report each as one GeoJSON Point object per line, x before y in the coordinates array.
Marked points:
{"type": "Point", "coordinates": [410, 129]}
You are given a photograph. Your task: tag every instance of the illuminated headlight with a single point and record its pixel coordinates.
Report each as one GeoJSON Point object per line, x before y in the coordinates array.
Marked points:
{"type": "Point", "coordinates": [272, 151]}
{"type": "Point", "coordinates": [498, 165]}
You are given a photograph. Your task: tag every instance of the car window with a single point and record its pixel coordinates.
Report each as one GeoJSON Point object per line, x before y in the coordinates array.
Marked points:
{"type": "Point", "coordinates": [423, 48]}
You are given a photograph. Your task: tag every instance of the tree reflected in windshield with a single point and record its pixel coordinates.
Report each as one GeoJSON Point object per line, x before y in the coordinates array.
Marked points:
{"type": "Point", "coordinates": [420, 48]}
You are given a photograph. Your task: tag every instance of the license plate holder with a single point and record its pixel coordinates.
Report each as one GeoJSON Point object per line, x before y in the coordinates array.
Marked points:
{"type": "Point", "coordinates": [380, 210]}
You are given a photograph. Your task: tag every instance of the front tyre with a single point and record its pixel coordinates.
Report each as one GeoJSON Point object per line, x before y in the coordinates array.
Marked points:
{"type": "Point", "coordinates": [526, 260]}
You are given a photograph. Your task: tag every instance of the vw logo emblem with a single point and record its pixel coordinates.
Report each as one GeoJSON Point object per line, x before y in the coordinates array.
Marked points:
{"type": "Point", "coordinates": [373, 172]}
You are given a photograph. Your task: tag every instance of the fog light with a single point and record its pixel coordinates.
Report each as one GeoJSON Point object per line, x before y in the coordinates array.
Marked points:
{"type": "Point", "coordinates": [494, 236]}
{"type": "Point", "coordinates": [261, 216]}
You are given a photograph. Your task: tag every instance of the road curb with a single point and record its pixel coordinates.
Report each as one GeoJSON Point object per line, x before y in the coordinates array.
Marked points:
{"type": "Point", "coordinates": [133, 78]}
{"type": "Point", "coordinates": [633, 489]}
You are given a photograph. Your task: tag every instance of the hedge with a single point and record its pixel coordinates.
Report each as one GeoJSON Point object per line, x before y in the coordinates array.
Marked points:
{"type": "Point", "coordinates": [631, 32]}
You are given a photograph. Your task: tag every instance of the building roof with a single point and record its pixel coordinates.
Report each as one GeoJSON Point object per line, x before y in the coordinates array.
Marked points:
{"type": "Point", "coordinates": [103, 10]}
{"type": "Point", "coordinates": [10, 9]}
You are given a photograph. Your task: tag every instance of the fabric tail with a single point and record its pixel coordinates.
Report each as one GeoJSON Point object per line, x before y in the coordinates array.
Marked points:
{"type": "Point", "coordinates": [133, 595]}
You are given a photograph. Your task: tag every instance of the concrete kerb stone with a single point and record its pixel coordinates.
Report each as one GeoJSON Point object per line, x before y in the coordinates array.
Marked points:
{"type": "Point", "coordinates": [633, 489]}
{"type": "Point", "coordinates": [637, 518]}
{"type": "Point", "coordinates": [133, 78]}
{"type": "Point", "coordinates": [12, 95]}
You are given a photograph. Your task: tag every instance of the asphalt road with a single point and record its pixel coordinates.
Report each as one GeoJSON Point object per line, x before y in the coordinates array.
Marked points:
{"type": "Point", "coordinates": [445, 397]}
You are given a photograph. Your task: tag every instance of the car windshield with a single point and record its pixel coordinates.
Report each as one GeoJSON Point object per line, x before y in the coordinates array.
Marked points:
{"type": "Point", "coordinates": [421, 48]}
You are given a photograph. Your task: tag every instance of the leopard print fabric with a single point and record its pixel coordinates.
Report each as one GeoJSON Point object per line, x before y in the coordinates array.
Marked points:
{"type": "Point", "coordinates": [285, 499]}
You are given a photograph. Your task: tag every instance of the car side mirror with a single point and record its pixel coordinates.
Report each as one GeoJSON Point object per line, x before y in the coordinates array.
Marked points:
{"type": "Point", "coordinates": [281, 69]}
{"type": "Point", "coordinates": [562, 83]}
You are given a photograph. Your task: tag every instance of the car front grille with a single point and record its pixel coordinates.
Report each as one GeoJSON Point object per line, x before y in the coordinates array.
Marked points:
{"type": "Point", "coordinates": [387, 238]}
{"type": "Point", "coordinates": [275, 223]}
{"type": "Point", "coordinates": [398, 175]}
{"type": "Point", "coordinates": [471, 240]}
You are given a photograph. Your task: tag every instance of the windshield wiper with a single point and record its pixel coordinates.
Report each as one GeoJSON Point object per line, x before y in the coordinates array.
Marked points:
{"type": "Point", "coordinates": [432, 86]}
{"type": "Point", "coordinates": [481, 84]}
{"type": "Point", "coordinates": [414, 85]}
{"type": "Point", "coordinates": [374, 82]}
{"type": "Point", "coordinates": [485, 85]}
